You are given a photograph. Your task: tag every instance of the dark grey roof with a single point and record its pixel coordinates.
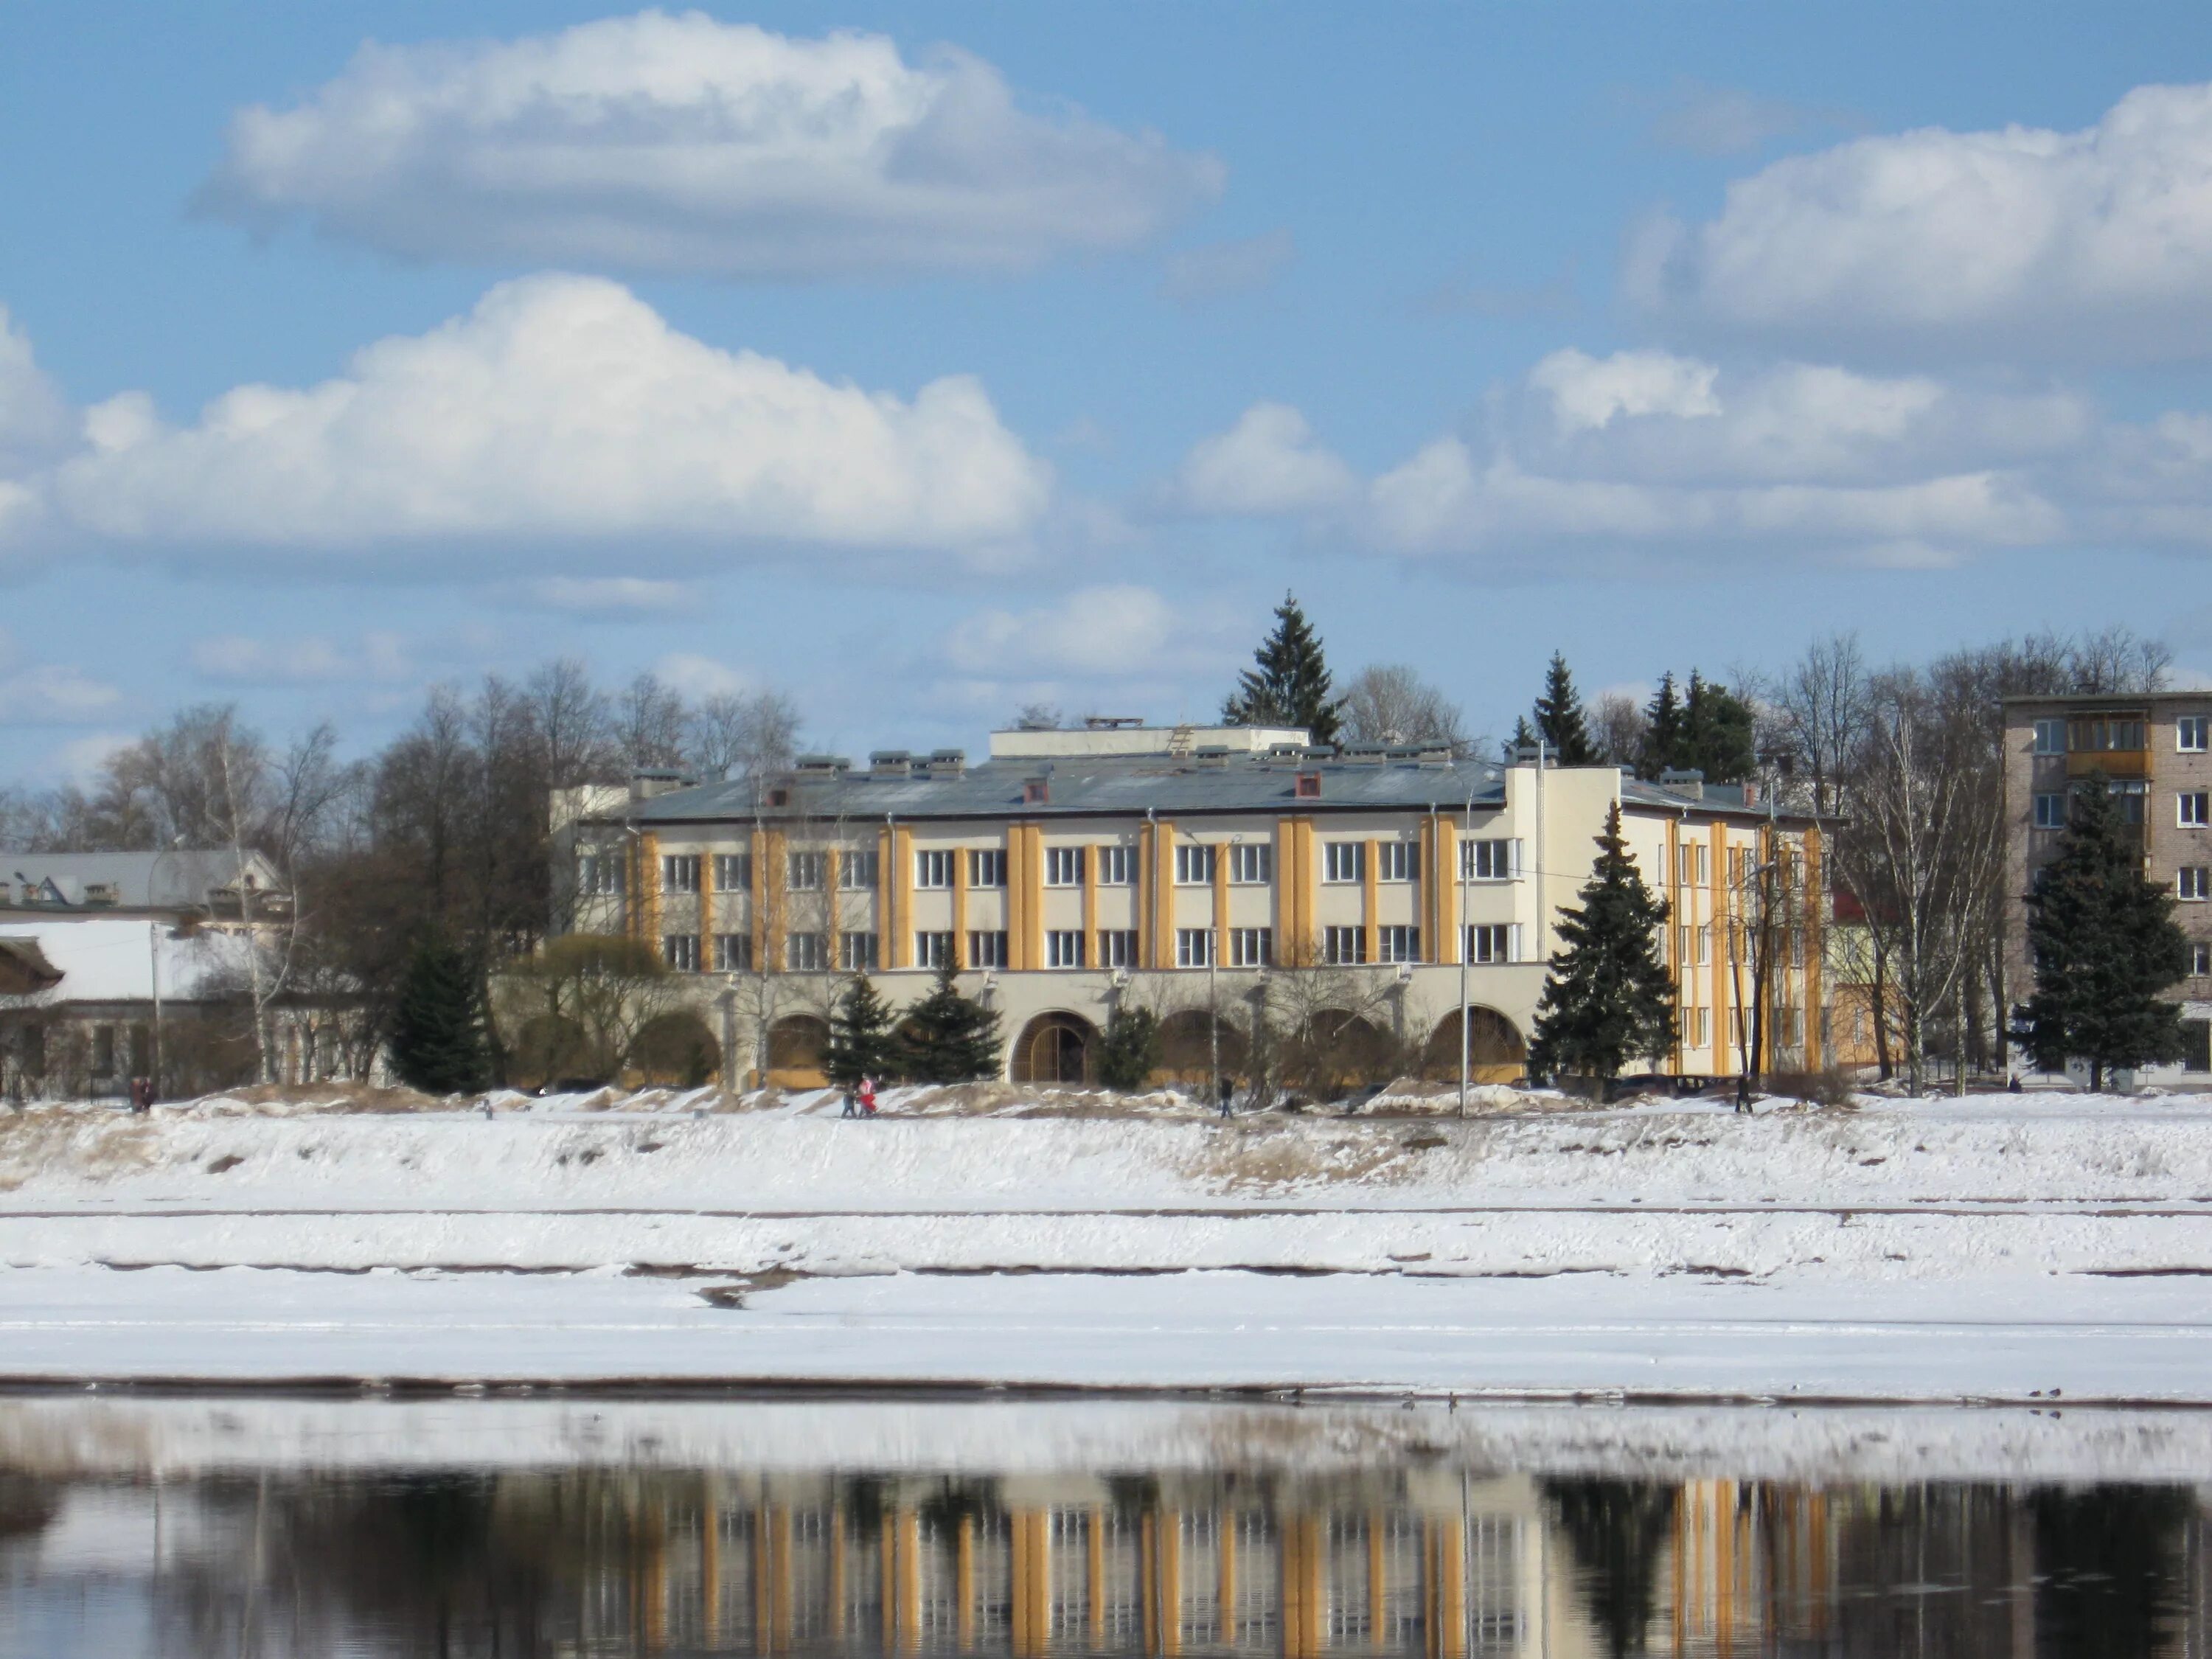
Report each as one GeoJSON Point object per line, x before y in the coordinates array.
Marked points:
{"type": "Point", "coordinates": [1123, 787]}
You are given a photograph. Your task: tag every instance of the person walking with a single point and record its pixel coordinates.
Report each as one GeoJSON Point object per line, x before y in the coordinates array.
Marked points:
{"type": "Point", "coordinates": [868, 1096]}
{"type": "Point", "coordinates": [1228, 1090]}
{"type": "Point", "coordinates": [852, 1104]}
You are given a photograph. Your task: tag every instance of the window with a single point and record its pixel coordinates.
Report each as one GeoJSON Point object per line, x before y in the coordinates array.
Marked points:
{"type": "Point", "coordinates": [1492, 943]}
{"type": "Point", "coordinates": [1117, 948]}
{"type": "Point", "coordinates": [1063, 866]}
{"type": "Point", "coordinates": [1193, 947]}
{"type": "Point", "coordinates": [1063, 948]}
{"type": "Point", "coordinates": [933, 869]}
{"type": "Point", "coordinates": [1398, 861]}
{"type": "Point", "coordinates": [2192, 883]}
{"type": "Point", "coordinates": [733, 872]}
{"type": "Point", "coordinates": [1344, 947]}
{"type": "Point", "coordinates": [1489, 860]}
{"type": "Point", "coordinates": [2051, 811]}
{"type": "Point", "coordinates": [986, 867]}
{"type": "Point", "coordinates": [1693, 864]}
{"type": "Point", "coordinates": [807, 870]}
{"type": "Point", "coordinates": [681, 953]}
{"type": "Point", "coordinates": [806, 953]}
{"type": "Point", "coordinates": [2051, 736]}
{"type": "Point", "coordinates": [2194, 809]}
{"type": "Point", "coordinates": [1251, 947]}
{"type": "Point", "coordinates": [856, 953]}
{"type": "Point", "coordinates": [2200, 960]}
{"type": "Point", "coordinates": [2196, 1045]}
{"type": "Point", "coordinates": [1117, 866]}
{"type": "Point", "coordinates": [1695, 949]}
{"type": "Point", "coordinates": [1195, 867]}
{"type": "Point", "coordinates": [2094, 737]}
{"type": "Point", "coordinates": [1398, 944]}
{"type": "Point", "coordinates": [1251, 864]}
{"type": "Point", "coordinates": [1344, 860]}
{"type": "Point", "coordinates": [933, 950]}
{"type": "Point", "coordinates": [103, 1050]}
{"type": "Point", "coordinates": [734, 953]}
{"type": "Point", "coordinates": [1697, 1028]}
{"type": "Point", "coordinates": [2189, 733]}
{"type": "Point", "coordinates": [679, 873]}
{"type": "Point", "coordinates": [1796, 947]}
{"type": "Point", "coordinates": [986, 950]}
{"type": "Point", "coordinates": [2130, 795]}
{"type": "Point", "coordinates": [600, 874]}
{"type": "Point", "coordinates": [856, 871]}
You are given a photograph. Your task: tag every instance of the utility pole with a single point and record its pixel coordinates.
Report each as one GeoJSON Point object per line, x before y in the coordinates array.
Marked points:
{"type": "Point", "coordinates": [1466, 858]}
{"type": "Point", "coordinates": [154, 960]}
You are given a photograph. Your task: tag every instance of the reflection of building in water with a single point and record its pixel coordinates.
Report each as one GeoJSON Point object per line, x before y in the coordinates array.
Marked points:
{"type": "Point", "coordinates": [1752, 1564]}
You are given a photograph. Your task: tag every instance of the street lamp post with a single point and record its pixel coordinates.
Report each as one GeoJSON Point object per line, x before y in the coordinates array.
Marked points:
{"type": "Point", "coordinates": [1465, 859]}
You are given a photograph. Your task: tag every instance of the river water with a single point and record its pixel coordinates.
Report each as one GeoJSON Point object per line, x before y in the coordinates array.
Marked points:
{"type": "Point", "coordinates": [550, 1526]}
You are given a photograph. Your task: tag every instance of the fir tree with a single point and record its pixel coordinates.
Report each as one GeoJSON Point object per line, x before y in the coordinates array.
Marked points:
{"type": "Point", "coordinates": [1560, 720]}
{"type": "Point", "coordinates": [861, 1040]}
{"type": "Point", "coordinates": [1608, 997]}
{"type": "Point", "coordinates": [2105, 944]}
{"type": "Point", "coordinates": [1716, 732]}
{"type": "Point", "coordinates": [1130, 1049]}
{"type": "Point", "coordinates": [1524, 737]}
{"type": "Point", "coordinates": [1662, 747]}
{"type": "Point", "coordinates": [1288, 684]}
{"type": "Point", "coordinates": [438, 1042]}
{"type": "Point", "coordinates": [948, 1037]}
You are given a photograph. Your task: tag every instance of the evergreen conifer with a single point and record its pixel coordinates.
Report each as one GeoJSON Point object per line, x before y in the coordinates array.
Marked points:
{"type": "Point", "coordinates": [1288, 684]}
{"type": "Point", "coordinates": [1524, 737]}
{"type": "Point", "coordinates": [1560, 720]}
{"type": "Point", "coordinates": [948, 1037]}
{"type": "Point", "coordinates": [1608, 997]}
{"type": "Point", "coordinates": [861, 1040]}
{"type": "Point", "coordinates": [1130, 1049]}
{"type": "Point", "coordinates": [2105, 944]}
{"type": "Point", "coordinates": [438, 1041]}
{"type": "Point", "coordinates": [1662, 732]}
{"type": "Point", "coordinates": [1716, 732]}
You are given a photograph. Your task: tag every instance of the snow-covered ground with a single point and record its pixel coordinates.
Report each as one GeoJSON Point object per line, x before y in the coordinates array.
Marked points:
{"type": "Point", "coordinates": [1994, 1248]}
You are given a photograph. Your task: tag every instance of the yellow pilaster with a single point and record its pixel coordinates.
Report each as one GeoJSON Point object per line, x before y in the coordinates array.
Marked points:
{"type": "Point", "coordinates": [893, 881]}
{"type": "Point", "coordinates": [706, 912]}
{"type": "Point", "coordinates": [1024, 897]}
{"type": "Point", "coordinates": [1815, 947]}
{"type": "Point", "coordinates": [1716, 891]}
{"type": "Point", "coordinates": [1221, 906]}
{"type": "Point", "coordinates": [1370, 881]}
{"type": "Point", "coordinates": [960, 909]}
{"type": "Point", "coordinates": [769, 873]}
{"type": "Point", "coordinates": [648, 888]}
{"type": "Point", "coordinates": [1442, 874]}
{"type": "Point", "coordinates": [1163, 896]}
{"type": "Point", "coordinates": [1091, 908]}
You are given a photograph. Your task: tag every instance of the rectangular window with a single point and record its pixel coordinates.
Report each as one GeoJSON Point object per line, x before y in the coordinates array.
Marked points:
{"type": "Point", "coordinates": [1397, 943]}
{"type": "Point", "coordinates": [986, 867]}
{"type": "Point", "coordinates": [734, 953]}
{"type": "Point", "coordinates": [2131, 796]}
{"type": "Point", "coordinates": [931, 950]}
{"type": "Point", "coordinates": [1251, 947]}
{"type": "Point", "coordinates": [679, 873]}
{"type": "Point", "coordinates": [2192, 883]}
{"type": "Point", "coordinates": [807, 871]}
{"type": "Point", "coordinates": [1251, 864]}
{"type": "Point", "coordinates": [1344, 860]}
{"type": "Point", "coordinates": [857, 871]}
{"type": "Point", "coordinates": [1695, 946]}
{"type": "Point", "coordinates": [1195, 867]}
{"type": "Point", "coordinates": [986, 950]}
{"type": "Point", "coordinates": [856, 953]}
{"type": "Point", "coordinates": [1117, 948]}
{"type": "Point", "coordinates": [1117, 866]}
{"type": "Point", "coordinates": [1063, 866]}
{"type": "Point", "coordinates": [933, 869]}
{"type": "Point", "coordinates": [733, 872]}
{"type": "Point", "coordinates": [2051, 811]}
{"type": "Point", "coordinates": [1796, 947]}
{"type": "Point", "coordinates": [806, 953]}
{"type": "Point", "coordinates": [1398, 861]}
{"type": "Point", "coordinates": [1697, 1028]}
{"type": "Point", "coordinates": [1193, 947]}
{"type": "Point", "coordinates": [681, 953]}
{"type": "Point", "coordinates": [1344, 947]}
{"type": "Point", "coordinates": [1489, 860]}
{"type": "Point", "coordinates": [2189, 733]}
{"type": "Point", "coordinates": [1063, 948]}
{"type": "Point", "coordinates": [1693, 864]}
{"type": "Point", "coordinates": [1490, 943]}
{"type": "Point", "coordinates": [2194, 809]}
{"type": "Point", "coordinates": [2051, 736]}
{"type": "Point", "coordinates": [600, 874]}
{"type": "Point", "coordinates": [2200, 959]}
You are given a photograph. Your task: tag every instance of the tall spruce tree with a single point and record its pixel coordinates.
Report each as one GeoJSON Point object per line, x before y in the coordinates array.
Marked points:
{"type": "Point", "coordinates": [1662, 747]}
{"type": "Point", "coordinates": [1288, 684]}
{"type": "Point", "coordinates": [1716, 732]}
{"type": "Point", "coordinates": [862, 1042]}
{"type": "Point", "coordinates": [1608, 997]}
{"type": "Point", "coordinates": [1130, 1049]}
{"type": "Point", "coordinates": [438, 1041]}
{"type": "Point", "coordinates": [948, 1037]}
{"type": "Point", "coordinates": [1560, 720]}
{"type": "Point", "coordinates": [2105, 944]}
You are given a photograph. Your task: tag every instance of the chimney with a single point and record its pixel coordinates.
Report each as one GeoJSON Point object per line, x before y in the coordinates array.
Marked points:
{"type": "Point", "coordinates": [1684, 780]}
{"type": "Point", "coordinates": [1037, 792]}
{"type": "Point", "coordinates": [1307, 786]}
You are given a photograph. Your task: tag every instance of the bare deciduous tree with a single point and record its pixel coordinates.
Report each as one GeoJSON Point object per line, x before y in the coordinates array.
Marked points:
{"type": "Point", "coordinates": [1390, 704]}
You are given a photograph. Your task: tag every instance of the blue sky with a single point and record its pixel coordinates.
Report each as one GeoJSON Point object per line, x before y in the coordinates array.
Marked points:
{"type": "Point", "coordinates": [922, 362]}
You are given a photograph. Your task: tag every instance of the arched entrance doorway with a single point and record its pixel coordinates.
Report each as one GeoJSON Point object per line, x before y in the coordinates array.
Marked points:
{"type": "Point", "coordinates": [797, 1045]}
{"type": "Point", "coordinates": [1187, 1049]}
{"type": "Point", "coordinates": [1335, 1051]}
{"type": "Point", "coordinates": [678, 1048]}
{"type": "Point", "coordinates": [1054, 1047]}
{"type": "Point", "coordinates": [1495, 1050]}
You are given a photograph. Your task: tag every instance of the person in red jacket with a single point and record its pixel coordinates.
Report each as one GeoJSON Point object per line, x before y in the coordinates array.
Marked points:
{"type": "Point", "coordinates": [868, 1096]}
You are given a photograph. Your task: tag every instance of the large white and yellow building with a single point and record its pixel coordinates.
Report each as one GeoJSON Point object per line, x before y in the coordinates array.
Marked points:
{"type": "Point", "coordinates": [1218, 875]}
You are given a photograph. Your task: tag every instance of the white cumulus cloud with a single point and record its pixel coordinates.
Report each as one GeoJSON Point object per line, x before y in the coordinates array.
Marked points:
{"type": "Point", "coordinates": [560, 407]}
{"type": "Point", "coordinates": [299, 660]}
{"type": "Point", "coordinates": [2024, 241]}
{"type": "Point", "coordinates": [1108, 633]}
{"type": "Point", "coordinates": [681, 144]}
{"type": "Point", "coordinates": [1269, 462]}
{"type": "Point", "coordinates": [35, 421]}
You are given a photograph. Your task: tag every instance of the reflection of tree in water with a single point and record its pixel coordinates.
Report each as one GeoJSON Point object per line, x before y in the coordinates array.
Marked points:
{"type": "Point", "coordinates": [1617, 1529]}
{"type": "Point", "coordinates": [2110, 1558]}
{"type": "Point", "coordinates": [27, 1504]}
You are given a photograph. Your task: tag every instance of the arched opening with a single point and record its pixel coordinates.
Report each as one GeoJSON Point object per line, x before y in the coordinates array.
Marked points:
{"type": "Point", "coordinates": [1187, 1049]}
{"type": "Point", "coordinates": [1054, 1047]}
{"type": "Point", "coordinates": [675, 1048]}
{"type": "Point", "coordinates": [1334, 1051]}
{"type": "Point", "coordinates": [797, 1046]}
{"type": "Point", "coordinates": [550, 1049]}
{"type": "Point", "coordinates": [1495, 1051]}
